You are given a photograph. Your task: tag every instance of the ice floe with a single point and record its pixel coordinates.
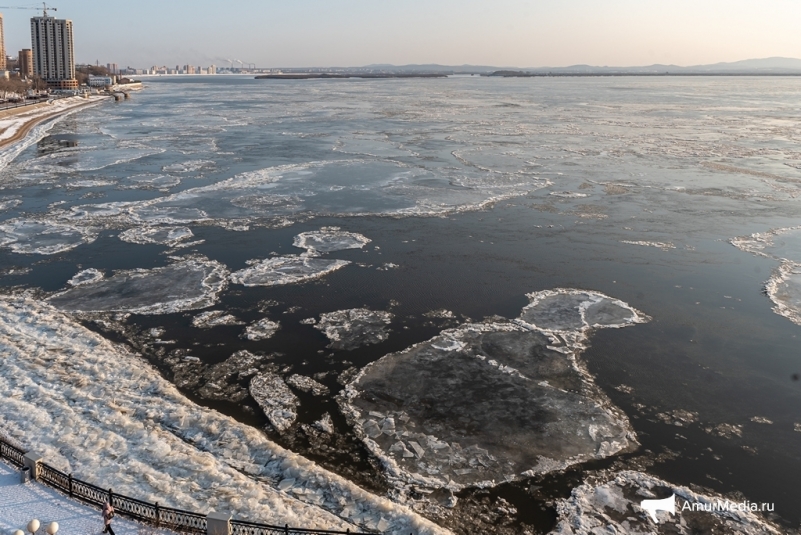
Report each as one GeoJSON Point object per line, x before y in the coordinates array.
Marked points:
{"type": "Point", "coordinates": [150, 182]}
{"type": "Point", "coordinates": [214, 318]}
{"type": "Point", "coordinates": [277, 196]}
{"type": "Point", "coordinates": [780, 243]}
{"type": "Point", "coordinates": [307, 384]}
{"type": "Point", "coordinates": [784, 289]}
{"type": "Point", "coordinates": [171, 236]}
{"type": "Point", "coordinates": [7, 203]}
{"type": "Point", "coordinates": [572, 313]}
{"type": "Point", "coordinates": [261, 330]}
{"type": "Point", "coordinates": [188, 167]}
{"type": "Point", "coordinates": [329, 239]}
{"type": "Point", "coordinates": [352, 328]}
{"type": "Point", "coordinates": [227, 380]}
{"type": "Point", "coordinates": [490, 402]}
{"type": "Point", "coordinates": [613, 505]}
{"type": "Point", "coordinates": [288, 269]}
{"type": "Point", "coordinates": [121, 424]}
{"type": "Point", "coordinates": [87, 276]}
{"type": "Point", "coordinates": [185, 285]}
{"type": "Point", "coordinates": [43, 237]}
{"type": "Point", "coordinates": [665, 246]}
{"type": "Point", "coordinates": [568, 194]}
{"type": "Point", "coordinates": [325, 424]}
{"type": "Point", "coordinates": [275, 398]}
{"type": "Point", "coordinates": [784, 285]}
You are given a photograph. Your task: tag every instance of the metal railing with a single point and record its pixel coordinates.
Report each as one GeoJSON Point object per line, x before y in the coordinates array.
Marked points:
{"type": "Point", "coordinates": [148, 513]}
{"type": "Point", "coordinates": [14, 455]}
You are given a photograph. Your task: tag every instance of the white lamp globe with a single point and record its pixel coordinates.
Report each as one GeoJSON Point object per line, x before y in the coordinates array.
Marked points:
{"type": "Point", "coordinates": [19, 532]}
{"type": "Point", "coordinates": [33, 526]}
{"type": "Point", "coordinates": [52, 528]}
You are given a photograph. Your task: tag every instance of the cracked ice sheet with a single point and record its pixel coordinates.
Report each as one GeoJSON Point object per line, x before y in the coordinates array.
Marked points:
{"type": "Point", "coordinates": [278, 195]}
{"type": "Point", "coordinates": [486, 403]}
{"type": "Point", "coordinates": [353, 328]}
{"type": "Point", "coordinates": [288, 269]}
{"type": "Point", "coordinates": [171, 236]}
{"type": "Point", "coordinates": [185, 285]}
{"type": "Point", "coordinates": [613, 506]}
{"type": "Point", "coordinates": [119, 421]}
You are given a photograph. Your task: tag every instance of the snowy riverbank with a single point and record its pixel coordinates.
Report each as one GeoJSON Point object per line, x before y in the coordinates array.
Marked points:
{"type": "Point", "coordinates": [122, 425]}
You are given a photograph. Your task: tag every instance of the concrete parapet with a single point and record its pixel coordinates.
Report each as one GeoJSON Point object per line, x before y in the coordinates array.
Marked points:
{"type": "Point", "coordinates": [31, 460]}
{"type": "Point", "coordinates": [218, 524]}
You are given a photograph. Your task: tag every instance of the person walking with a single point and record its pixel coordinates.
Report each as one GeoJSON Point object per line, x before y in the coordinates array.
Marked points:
{"type": "Point", "coordinates": [108, 514]}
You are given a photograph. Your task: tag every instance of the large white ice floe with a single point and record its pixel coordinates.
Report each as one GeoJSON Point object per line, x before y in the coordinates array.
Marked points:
{"type": "Point", "coordinates": [288, 269]}
{"type": "Point", "coordinates": [486, 403]}
{"type": "Point", "coordinates": [171, 236]}
{"type": "Point", "coordinates": [784, 285]}
{"type": "Point", "coordinates": [120, 424]}
{"type": "Point", "coordinates": [352, 328]}
{"type": "Point", "coordinates": [329, 239]}
{"type": "Point", "coordinates": [43, 237]}
{"type": "Point", "coordinates": [185, 285]}
{"type": "Point", "coordinates": [613, 505]}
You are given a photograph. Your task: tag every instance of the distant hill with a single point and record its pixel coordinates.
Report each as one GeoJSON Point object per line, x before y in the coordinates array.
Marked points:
{"type": "Point", "coordinates": [775, 65]}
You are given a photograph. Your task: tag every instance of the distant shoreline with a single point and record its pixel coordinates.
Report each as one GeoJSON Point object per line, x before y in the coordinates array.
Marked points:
{"type": "Point", "coordinates": [313, 76]}
{"type": "Point", "coordinates": [512, 74]}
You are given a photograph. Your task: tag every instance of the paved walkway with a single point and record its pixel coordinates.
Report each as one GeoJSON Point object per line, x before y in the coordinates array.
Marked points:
{"type": "Point", "coordinates": [19, 504]}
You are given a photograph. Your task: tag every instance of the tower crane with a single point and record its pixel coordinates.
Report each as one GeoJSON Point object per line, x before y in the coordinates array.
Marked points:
{"type": "Point", "coordinates": [44, 8]}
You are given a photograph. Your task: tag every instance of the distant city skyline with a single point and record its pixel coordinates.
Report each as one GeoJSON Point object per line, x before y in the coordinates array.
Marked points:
{"type": "Point", "coordinates": [517, 33]}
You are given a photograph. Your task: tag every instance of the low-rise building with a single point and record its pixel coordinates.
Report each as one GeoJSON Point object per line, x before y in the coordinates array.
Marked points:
{"type": "Point", "coordinates": [101, 81]}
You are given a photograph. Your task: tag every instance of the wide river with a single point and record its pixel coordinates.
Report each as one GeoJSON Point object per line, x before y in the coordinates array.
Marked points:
{"type": "Point", "coordinates": [173, 224]}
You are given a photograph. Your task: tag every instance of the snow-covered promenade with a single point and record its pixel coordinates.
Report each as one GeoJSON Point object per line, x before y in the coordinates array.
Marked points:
{"type": "Point", "coordinates": [17, 122]}
{"type": "Point", "coordinates": [21, 503]}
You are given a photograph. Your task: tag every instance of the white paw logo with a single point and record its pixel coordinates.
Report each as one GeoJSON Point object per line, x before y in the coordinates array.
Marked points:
{"type": "Point", "coordinates": [652, 506]}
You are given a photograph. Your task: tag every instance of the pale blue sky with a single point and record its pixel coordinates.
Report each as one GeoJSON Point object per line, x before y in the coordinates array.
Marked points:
{"type": "Point", "coordinates": [519, 33]}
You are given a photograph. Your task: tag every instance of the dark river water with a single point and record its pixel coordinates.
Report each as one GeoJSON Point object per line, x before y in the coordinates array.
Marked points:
{"type": "Point", "coordinates": [474, 192]}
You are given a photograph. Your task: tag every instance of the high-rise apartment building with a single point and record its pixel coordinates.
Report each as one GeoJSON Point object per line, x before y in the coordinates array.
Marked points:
{"type": "Point", "coordinates": [25, 62]}
{"type": "Point", "coordinates": [53, 53]}
{"type": "Point", "coordinates": [3, 63]}
{"type": "Point", "coordinates": [113, 68]}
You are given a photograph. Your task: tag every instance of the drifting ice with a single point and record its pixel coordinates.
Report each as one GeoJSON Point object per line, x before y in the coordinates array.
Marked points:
{"type": "Point", "coordinates": [613, 506]}
{"type": "Point", "coordinates": [185, 285]}
{"type": "Point", "coordinates": [329, 239]}
{"type": "Point", "coordinates": [486, 403]}
{"type": "Point", "coordinates": [349, 329]}
{"type": "Point", "coordinates": [286, 270]}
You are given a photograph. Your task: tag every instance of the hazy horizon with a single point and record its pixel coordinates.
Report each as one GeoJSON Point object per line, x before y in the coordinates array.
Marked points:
{"type": "Point", "coordinates": [514, 33]}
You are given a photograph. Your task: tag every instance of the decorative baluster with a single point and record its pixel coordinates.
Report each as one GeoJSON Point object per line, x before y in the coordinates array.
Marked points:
{"type": "Point", "coordinates": [69, 483]}
{"type": "Point", "coordinates": [158, 515]}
